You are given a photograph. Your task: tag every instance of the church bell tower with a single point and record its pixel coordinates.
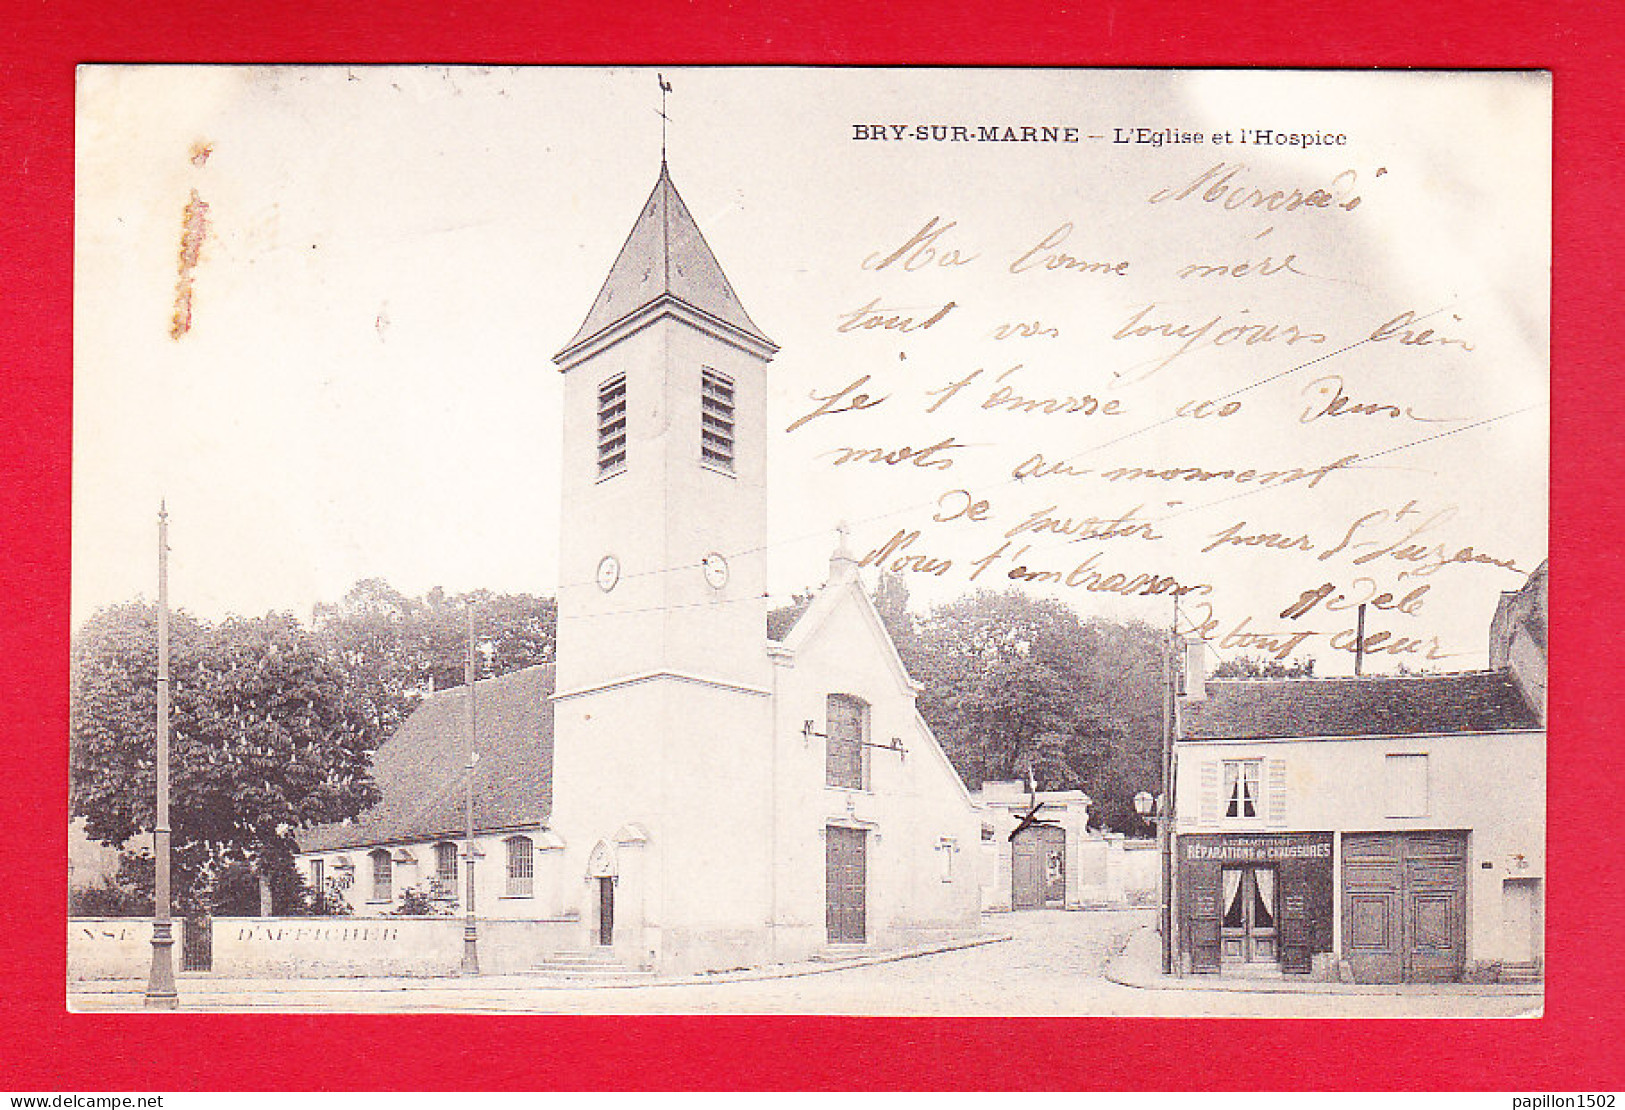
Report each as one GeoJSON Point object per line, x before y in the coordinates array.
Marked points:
{"type": "Point", "coordinates": [662, 567]}
{"type": "Point", "coordinates": [663, 710]}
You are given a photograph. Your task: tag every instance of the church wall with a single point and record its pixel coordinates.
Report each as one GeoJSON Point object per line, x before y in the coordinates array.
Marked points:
{"type": "Point", "coordinates": [717, 828]}
{"type": "Point", "coordinates": [311, 947]}
{"type": "Point", "coordinates": [686, 764]}
{"type": "Point", "coordinates": [348, 873]}
{"type": "Point", "coordinates": [607, 759]}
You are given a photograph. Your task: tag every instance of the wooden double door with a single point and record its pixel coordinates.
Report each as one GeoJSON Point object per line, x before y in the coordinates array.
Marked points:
{"type": "Point", "coordinates": [1249, 932]}
{"type": "Point", "coordinates": [1405, 906]}
{"type": "Point", "coordinates": [1038, 867]}
{"type": "Point", "coordinates": [846, 878]}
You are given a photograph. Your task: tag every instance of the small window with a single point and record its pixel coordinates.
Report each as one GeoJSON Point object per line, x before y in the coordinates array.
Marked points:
{"type": "Point", "coordinates": [947, 848]}
{"type": "Point", "coordinates": [382, 879]}
{"type": "Point", "coordinates": [847, 720]}
{"type": "Point", "coordinates": [445, 871]}
{"type": "Point", "coordinates": [318, 875]}
{"type": "Point", "coordinates": [521, 867]}
{"type": "Point", "coordinates": [612, 426]}
{"type": "Point", "coordinates": [1406, 778]}
{"type": "Point", "coordinates": [1241, 787]}
{"type": "Point", "coordinates": [716, 420]}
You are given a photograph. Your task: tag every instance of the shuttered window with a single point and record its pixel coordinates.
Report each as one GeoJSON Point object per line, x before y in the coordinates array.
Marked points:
{"type": "Point", "coordinates": [1243, 789]}
{"type": "Point", "coordinates": [1208, 807]}
{"type": "Point", "coordinates": [612, 426]}
{"type": "Point", "coordinates": [716, 420]}
{"type": "Point", "coordinates": [1275, 793]}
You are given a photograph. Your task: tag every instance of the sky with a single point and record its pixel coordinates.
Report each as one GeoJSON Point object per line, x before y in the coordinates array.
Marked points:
{"type": "Point", "coordinates": [390, 256]}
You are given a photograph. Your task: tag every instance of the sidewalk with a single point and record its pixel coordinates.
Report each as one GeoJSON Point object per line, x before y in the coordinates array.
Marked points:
{"type": "Point", "coordinates": [203, 984]}
{"type": "Point", "coordinates": [1138, 963]}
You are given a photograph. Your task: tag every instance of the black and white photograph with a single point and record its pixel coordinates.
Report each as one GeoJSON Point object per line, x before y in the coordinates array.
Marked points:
{"type": "Point", "coordinates": [850, 541]}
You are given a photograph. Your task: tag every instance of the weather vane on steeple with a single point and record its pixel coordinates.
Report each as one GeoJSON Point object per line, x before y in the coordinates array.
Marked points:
{"type": "Point", "coordinates": [665, 87]}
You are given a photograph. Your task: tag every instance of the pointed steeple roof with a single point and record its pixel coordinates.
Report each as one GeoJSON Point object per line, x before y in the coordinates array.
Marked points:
{"type": "Point", "coordinates": [664, 258]}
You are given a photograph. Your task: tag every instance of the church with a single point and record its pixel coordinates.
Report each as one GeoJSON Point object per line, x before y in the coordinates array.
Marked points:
{"type": "Point", "coordinates": [679, 789]}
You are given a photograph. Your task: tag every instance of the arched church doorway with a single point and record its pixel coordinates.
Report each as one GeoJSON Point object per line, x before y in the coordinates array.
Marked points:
{"type": "Point", "coordinates": [602, 871]}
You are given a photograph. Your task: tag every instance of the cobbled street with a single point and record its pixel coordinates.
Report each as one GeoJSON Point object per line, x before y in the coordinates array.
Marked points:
{"type": "Point", "coordinates": [1054, 964]}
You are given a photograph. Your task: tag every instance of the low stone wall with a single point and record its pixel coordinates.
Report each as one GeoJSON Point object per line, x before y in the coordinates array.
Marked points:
{"type": "Point", "coordinates": [315, 947]}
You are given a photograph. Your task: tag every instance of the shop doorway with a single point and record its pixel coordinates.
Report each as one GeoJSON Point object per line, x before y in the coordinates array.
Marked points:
{"type": "Point", "coordinates": [1248, 932]}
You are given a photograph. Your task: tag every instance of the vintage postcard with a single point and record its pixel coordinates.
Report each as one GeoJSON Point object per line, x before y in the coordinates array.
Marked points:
{"type": "Point", "coordinates": [830, 541]}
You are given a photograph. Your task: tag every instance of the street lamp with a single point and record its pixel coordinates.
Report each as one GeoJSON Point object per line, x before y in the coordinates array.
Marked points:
{"type": "Point", "coordinates": [1153, 810]}
{"type": "Point", "coordinates": [161, 994]}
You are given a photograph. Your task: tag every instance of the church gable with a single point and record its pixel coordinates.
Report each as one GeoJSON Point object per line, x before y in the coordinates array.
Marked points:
{"type": "Point", "coordinates": [842, 620]}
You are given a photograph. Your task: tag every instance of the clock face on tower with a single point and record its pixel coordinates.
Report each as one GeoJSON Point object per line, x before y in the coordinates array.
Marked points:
{"type": "Point", "coordinates": [716, 570]}
{"type": "Point", "coordinates": [609, 573]}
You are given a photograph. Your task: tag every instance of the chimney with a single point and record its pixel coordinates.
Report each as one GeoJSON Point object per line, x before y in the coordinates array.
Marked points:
{"type": "Point", "coordinates": [1196, 669]}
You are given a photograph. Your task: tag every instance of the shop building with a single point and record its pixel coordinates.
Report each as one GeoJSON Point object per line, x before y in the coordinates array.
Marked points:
{"type": "Point", "coordinates": [1373, 829]}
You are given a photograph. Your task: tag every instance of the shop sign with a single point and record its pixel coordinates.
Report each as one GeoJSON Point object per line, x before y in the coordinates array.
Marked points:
{"type": "Point", "coordinates": [1258, 849]}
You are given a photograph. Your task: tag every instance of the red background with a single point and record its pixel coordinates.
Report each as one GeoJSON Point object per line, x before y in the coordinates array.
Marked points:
{"type": "Point", "coordinates": [1574, 1047]}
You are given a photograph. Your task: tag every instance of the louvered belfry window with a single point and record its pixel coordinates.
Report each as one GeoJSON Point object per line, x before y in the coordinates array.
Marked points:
{"type": "Point", "coordinates": [716, 419]}
{"type": "Point", "coordinates": [612, 426]}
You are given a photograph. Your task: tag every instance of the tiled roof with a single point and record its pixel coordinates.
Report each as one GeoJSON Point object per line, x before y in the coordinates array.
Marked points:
{"type": "Point", "coordinates": [421, 770]}
{"type": "Point", "coordinates": [665, 255]}
{"type": "Point", "coordinates": [1472, 701]}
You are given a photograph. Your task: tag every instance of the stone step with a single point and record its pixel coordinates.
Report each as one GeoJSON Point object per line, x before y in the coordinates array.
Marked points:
{"type": "Point", "coordinates": [835, 953]}
{"type": "Point", "coordinates": [598, 975]}
{"type": "Point", "coordinates": [1520, 973]}
{"type": "Point", "coordinates": [588, 966]}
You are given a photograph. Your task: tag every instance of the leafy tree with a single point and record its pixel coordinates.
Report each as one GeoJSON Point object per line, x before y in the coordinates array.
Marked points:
{"type": "Point", "coordinates": [268, 736]}
{"type": "Point", "coordinates": [399, 648]}
{"type": "Point", "coordinates": [1257, 666]}
{"type": "Point", "coordinates": [1018, 685]}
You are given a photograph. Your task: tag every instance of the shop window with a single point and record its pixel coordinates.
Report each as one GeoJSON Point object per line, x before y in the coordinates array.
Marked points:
{"type": "Point", "coordinates": [1242, 779]}
{"type": "Point", "coordinates": [716, 420]}
{"type": "Point", "coordinates": [612, 426]}
{"type": "Point", "coordinates": [1406, 778]}
{"type": "Point", "coordinates": [445, 871]}
{"type": "Point", "coordinates": [382, 877]}
{"type": "Point", "coordinates": [847, 720]}
{"type": "Point", "coordinates": [521, 867]}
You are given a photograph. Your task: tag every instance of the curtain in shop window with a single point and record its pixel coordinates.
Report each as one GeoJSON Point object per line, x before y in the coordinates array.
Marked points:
{"type": "Point", "coordinates": [1264, 910]}
{"type": "Point", "coordinates": [1233, 909]}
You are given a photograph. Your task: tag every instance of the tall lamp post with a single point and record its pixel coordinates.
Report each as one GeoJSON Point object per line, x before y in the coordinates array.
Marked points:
{"type": "Point", "coordinates": [1154, 811]}
{"type": "Point", "coordinates": [471, 929]}
{"type": "Point", "coordinates": [161, 993]}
